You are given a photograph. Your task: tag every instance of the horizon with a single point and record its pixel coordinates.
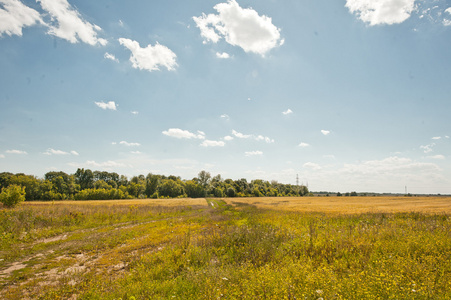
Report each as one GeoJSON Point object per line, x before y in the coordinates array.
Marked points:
{"type": "Point", "coordinates": [349, 96]}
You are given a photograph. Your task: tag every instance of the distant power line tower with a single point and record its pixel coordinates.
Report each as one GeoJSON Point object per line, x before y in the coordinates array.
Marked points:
{"type": "Point", "coordinates": [297, 179]}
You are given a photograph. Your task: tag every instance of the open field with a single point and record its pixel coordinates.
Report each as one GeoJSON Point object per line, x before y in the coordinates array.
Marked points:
{"type": "Point", "coordinates": [352, 205]}
{"type": "Point", "coordinates": [238, 248]}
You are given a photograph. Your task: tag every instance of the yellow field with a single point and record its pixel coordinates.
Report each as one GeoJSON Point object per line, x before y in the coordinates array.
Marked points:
{"type": "Point", "coordinates": [341, 205]}
{"type": "Point", "coordinates": [350, 205]}
{"type": "Point", "coordinates": [152, 202]}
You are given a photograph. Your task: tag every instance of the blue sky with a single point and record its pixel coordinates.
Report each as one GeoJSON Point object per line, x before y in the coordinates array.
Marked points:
{"type": "Point", "coordinates": [350, 95]}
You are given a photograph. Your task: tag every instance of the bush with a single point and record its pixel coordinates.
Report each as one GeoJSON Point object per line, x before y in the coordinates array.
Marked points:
{"type": "Point", "coordinates": [12, 195]}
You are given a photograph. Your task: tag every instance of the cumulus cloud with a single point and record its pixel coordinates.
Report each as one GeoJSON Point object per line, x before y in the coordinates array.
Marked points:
{"type": "Point", "coordinates": [183, 134]}
{"type": "Point", "coordinates": [67, 23]}
{"type": "Point", "coordinates": [264, 138]}
{"type": "Point", "coordinates": [228, 138]}
{"type": "Point", "coordinates": [438, 156]}
{"type": "Point", "coordinates": [51, 151]}
{"type": "Point", "coordinates": [242, 27]}
{"type": "Point", "coordinates": [303, 145]}
{"type": "Point", "coordinates": [241, 135]}
{"type": "Point", "coordinates": [15, 16]}
{"type": "Point", "coordinates": [287, 112]}
{"type": "Point", "coordinates": [16, 152]}
{"type": "Point", "coordinates": [447, 22]}
{"type": "Point", "coordinates": [150, 58]}
{"type": "Point", "coordinates": [436, 137]}
{"type": "Point", "coordinates": [325, 132]}
{"type": "Point", "coordinates": [251, 136]}
{"type": "Point", "coordinates": [110, 105]}
{"type": "Point", "coordinates": [208, 143]}
{"type": "Point", "coordinates": [135, 112]}
{"type": "Point", "coordinates": [253, 153]}
{"type": "Point", "coordinates": [427, 148]}
{"type": "Point", "coordinates": [225, 117]}
{"type": "Point", "coordinates": [129, 144]}
{"type": "Point", "coordinates": [375, 12]}
{"type": "Point", "coordinates": [222, 55]}
{"type": "Point", "coordinates": [110, 57]}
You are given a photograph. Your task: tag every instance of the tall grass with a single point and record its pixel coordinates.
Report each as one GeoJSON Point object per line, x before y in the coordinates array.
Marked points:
{"type": "Point", "coordinates": [249, 253]}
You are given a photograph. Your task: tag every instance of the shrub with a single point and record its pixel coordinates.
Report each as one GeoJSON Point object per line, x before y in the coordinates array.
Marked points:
{"type": "Point", "coordinates": [12, 195]}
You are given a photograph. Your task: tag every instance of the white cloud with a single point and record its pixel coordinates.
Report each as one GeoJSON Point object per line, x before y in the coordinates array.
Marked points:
{"type": "Point", "coordinates": [312, 166]}
{"type": "Point", "coordinates": [225, 117]}
{"type": "Point", "coordinates": [16, 152]}
{"type": "Point", "coordinates": [129, 144]}
{"type": "Point", "coordinates": [447, 22]}
{"type": "Point", "coordinates": [2, 156]}
{"type": "Point", "coordinates": [253, 153]}
{"type": "Point", "coordinates": [135, 112]}
{"type": "Point", "coordinates": [239, 27]}
{"type": "Point", "coordinates": [436, 137]}
{"type": "Point", "coordinates": [135, 152]}
{"type": "Point", "coordinates": [110, 57]}
{"type": "Point", "coordinates": [240, 135]}
{"type": "Point", "coordinates": [251, 136]}
{"type": "Point", "coordinates": [228, 138]}
{"type": "Point", "coordinates": [438, 156]}
{"type": "Point", "coordinates": [287, 112]}
{"type": "Point", "coordinates": [427, 148]}
{"type": "Point", "coordinates": [69, 25]}
{"type": "Point", "coordinates": [15, 16]}
{"type": "Point", "coordinates": [151, 57]}
{"type": "Point", "coordinates": [264, 138]}
{"type": "Point", "coordinates": [208, 143]}
{"type": "Point", "coordinates": [110, 105]}
{"type": "Point", "coordinates": [325, 132]}
{"type": "Point", "coordinates": [377, 12]}
{"type": "Point", "coordinates": [223, 55]}
{"type": "Point", "coordinates": [303, 145]}
{"type": "Point", "coordinates": [51, 151]}
{"type": "Point", "coordinates": [184, 134]}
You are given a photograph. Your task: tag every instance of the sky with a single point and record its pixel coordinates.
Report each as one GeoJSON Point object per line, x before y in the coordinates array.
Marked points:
{"type": "Point", "coordinates": [351, 95]}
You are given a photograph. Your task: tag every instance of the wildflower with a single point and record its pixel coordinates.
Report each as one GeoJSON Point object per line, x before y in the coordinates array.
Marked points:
{"type": "Point", "coordinates": [225, 278]}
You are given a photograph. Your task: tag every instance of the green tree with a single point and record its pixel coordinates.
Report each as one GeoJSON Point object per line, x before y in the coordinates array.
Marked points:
{"type": "Point", "coordinates": [12, 195]}
{"type": "Point", "coordinates": [194, 190]}
{"type": "Point", "coordinates": [170, 188]}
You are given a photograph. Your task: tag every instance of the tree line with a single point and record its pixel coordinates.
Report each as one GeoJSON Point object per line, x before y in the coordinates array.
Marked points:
{"type": "Point", "coordinates": [85, 184]}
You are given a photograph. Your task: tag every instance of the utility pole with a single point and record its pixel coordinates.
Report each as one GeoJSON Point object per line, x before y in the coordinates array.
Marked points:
{"type": "Point", "coordinates": [297, 179]}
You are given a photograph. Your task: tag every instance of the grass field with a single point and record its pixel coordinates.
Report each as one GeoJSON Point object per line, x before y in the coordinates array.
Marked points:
{"type": "Point", "coordinates": [237, 248]}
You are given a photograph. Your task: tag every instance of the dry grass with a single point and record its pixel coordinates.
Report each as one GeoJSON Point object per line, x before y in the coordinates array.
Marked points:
{"type": "Point", "coordinates": [350, 205]}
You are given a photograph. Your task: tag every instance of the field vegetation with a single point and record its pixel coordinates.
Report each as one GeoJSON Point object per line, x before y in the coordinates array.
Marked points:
{"type": "Point", "coordinates": [242, 248]}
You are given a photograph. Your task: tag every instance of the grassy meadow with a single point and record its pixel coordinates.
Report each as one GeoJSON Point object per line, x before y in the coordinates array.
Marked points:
{"type": "Point", "coordinates": [233, 248]}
